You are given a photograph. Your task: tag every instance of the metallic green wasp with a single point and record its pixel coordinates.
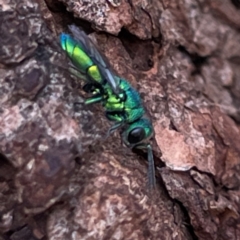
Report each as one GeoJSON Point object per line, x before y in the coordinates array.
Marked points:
{"type": "Point", "coordinates": [122, 103]}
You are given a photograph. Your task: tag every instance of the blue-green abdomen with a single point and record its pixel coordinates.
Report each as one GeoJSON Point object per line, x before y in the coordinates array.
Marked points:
{"type": "Point", "coordinates": [79, 57]}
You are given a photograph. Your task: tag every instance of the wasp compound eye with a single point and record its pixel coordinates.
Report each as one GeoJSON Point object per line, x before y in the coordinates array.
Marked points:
{"type": "Point", "coordinates": [136, 135]}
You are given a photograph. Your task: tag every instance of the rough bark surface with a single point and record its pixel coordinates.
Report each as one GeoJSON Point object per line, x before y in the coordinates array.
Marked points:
{"type": "Point", "coordinates": [59, 178]}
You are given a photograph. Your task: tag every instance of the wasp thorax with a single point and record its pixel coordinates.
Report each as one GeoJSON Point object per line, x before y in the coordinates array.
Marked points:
{"type": "Point", "coordinates": [136, 135]}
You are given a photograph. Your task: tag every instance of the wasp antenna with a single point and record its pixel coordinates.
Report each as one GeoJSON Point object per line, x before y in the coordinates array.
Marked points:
{"type": "Point", "coordinates": [71, 69]}
{"type": "Point", "coordinates": [151, 168]}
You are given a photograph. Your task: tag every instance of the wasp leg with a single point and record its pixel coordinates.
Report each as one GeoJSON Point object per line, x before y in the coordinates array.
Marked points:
{"type": "Point", "coordinates": [94, 99]}
{"type": "Point", "coordinates": [151, 167]}
{"type": "Point", "coordinates": [117, 117]}
{"type": "Point", "coordinates": [112, 129]}
{"type": "Point", "coordinates": [89, 88]}
{"type": "Point", "coordinates": [77, 73]}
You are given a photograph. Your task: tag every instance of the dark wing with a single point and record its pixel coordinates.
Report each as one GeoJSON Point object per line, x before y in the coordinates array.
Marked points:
{"type": "Point", "coordinates": [90, 48]}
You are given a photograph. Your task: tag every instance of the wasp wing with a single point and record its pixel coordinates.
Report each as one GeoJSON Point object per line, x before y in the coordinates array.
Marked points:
{"type": "Point", "coordinates": [90, 48]}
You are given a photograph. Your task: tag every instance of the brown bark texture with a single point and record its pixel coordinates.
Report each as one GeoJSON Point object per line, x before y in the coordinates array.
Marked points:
{"type": "Point", "coordinates": [60, 179]}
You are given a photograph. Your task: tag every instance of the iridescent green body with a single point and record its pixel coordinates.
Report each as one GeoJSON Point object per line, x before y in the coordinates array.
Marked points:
{"type": "Point", "coordinates": [122, 103]}
{"type": "Point", "coordinates": [128, 110]}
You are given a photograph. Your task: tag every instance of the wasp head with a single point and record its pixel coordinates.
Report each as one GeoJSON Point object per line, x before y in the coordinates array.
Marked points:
{"type": "Point", "coordinates": [137, 132]}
